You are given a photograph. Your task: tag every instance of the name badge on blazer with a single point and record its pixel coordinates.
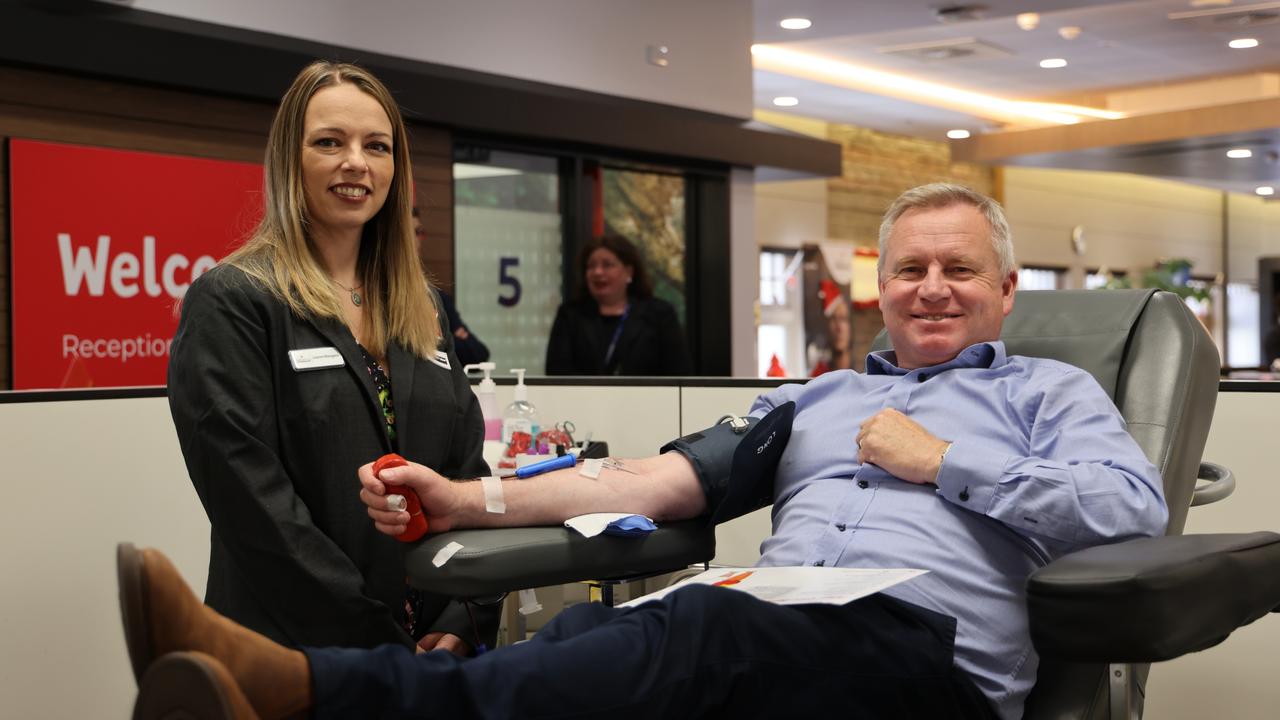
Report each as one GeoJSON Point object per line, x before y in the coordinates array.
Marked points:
{"type": "Point", "coordinates": [441, 358]}
{"type": "Point", "coordinates": [317, 358]}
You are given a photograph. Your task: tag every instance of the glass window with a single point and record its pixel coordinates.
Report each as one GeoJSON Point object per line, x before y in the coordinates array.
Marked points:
{"type": "Point", "coordinates": [648, 209]}
{"type": "Point", "coordinates": [777, 269]}
{"type": "Point", "coordinates": [1104, 278]}
{"type": "Point", "coordinates": [1243, 344]}
{"type": "Point", "coordinates": [771, 350]}
{"type": "Point", "coordinates": [508, 240]}
{"type": "Point", "coordinates": [1033, 278]}
{"type": "Point", "coordinates": [781, 331]}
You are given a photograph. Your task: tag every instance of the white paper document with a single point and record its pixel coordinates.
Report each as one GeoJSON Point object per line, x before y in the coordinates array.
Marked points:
{"type": "Point", "coordinates": [796, 585]}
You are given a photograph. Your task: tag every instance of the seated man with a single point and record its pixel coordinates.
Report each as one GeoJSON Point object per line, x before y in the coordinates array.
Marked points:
{"type": "Point", "coordinates": [947, 455]}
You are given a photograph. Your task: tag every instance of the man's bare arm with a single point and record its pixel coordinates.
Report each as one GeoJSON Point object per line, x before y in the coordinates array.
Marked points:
{"type": "Point", "coordinates": [664, 488]}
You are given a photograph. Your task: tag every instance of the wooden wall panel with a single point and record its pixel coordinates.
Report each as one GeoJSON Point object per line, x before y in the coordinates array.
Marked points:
{"type": "Point", "coordinates": [65, 108]}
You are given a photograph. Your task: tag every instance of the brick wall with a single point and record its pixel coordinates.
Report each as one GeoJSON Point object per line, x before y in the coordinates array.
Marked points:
{"type": "Point", "coordinates": [877, 167]}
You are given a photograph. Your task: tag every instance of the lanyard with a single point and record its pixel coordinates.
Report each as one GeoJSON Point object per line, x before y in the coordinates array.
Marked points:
{"type": "Point", "coordinates": [617, 333]}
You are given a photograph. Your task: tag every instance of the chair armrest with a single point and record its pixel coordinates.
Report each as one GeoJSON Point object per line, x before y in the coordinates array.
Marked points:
{"type": "Point", "coordinates": [501, 560]}
{"type": "Point", "coordinates": [1221, 483]}
{"type": "Point", "coordinates": [1152, 599]}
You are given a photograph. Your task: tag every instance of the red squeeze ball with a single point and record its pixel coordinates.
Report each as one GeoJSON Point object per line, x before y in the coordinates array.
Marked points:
{"type": "Point", "coordinates": [417, 521]}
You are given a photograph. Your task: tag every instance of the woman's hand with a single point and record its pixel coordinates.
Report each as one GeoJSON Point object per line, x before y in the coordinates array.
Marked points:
{"type": "Point", "coordinates": [440, 498]}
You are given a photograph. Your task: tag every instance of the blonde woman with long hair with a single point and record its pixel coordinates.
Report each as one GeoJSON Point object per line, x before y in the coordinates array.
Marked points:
{"type": "Point", "coordinates": [311, 350]}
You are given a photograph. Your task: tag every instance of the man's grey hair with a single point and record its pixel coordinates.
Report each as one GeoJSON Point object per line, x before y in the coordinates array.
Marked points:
{"type": "Point", "coordinates": [941, 195]}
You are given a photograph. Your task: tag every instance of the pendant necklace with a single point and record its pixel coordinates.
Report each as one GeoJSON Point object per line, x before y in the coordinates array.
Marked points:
{"type": "Point", "coordinates": [355, 292]}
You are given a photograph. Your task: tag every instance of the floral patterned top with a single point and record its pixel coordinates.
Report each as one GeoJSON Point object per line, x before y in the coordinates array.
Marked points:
{"type": "Point", "coordinates": [381, 383]}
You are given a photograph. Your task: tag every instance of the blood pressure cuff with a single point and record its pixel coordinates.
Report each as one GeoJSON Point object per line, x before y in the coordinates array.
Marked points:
{"type": "Point", "coordinates": [736, 461]}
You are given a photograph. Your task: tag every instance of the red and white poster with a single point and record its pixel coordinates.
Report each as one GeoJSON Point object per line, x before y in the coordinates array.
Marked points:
{"type": "Point", "coordinates": [104, 244]}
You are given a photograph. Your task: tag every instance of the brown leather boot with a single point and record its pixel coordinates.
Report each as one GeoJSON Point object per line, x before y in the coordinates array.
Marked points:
{"type": "Point", "coordinates": [162, 615]}
{"type": "Point", "coordinates": [190, 686]}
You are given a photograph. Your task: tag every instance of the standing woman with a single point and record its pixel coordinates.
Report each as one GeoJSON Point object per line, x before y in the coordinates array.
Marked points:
{"type": "Point", "coordinates": [311, 350]}
{"type": "Point", "coordinates": [615, 326]}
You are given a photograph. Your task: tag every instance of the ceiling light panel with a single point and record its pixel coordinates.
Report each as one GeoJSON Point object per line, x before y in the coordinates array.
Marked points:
{"type": "Point", "coordinates": [1239, 153]}
{"type": "Point", "coordinates": [1052, 63]}
{"type": "Point", "coordinates": [958, 134]}
{"type": "Point", "coordinates": [796, 23]}
{"type": "Point", "coordinates": [1243, 43]}
{"type": "Point", "coordinates": [786, 101]}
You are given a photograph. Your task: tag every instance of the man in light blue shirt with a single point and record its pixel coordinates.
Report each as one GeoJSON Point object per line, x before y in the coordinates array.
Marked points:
{"type": "Point", "coordinates": [946, 455]}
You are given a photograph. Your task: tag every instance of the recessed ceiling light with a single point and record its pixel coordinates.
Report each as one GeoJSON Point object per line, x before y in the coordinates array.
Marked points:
{"type": "Point", "coordinates": [1243, 43]}
{"type": "Point", "coordinates": [796, 24]}
{"type": "Point", "coordinates": [1028, 21]}
{"type": "Point", "coordinates": [1239, 153]}
{"type": "Point", "coordinates": [1049, 63]}
{"type": "Point", "coordinates": [1265, 190]}
{"type": "Point", "coordinates": [958, 134]}
{"type": "Point", "coordinates": [786, 101]}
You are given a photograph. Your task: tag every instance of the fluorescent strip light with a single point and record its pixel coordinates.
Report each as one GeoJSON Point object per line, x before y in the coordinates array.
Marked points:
{"type": "Point", "coordinates": [1265, 190]}
{"type": "Point", "coordinates": [1239, 153]}
{"type": "Point", "coordinates": [957, 134]}
{"type": "Point", "coordinates": [1243, 43]}
{"type": "Point", "coordinates": [786, 101]}
{"type": "Point", "coordinates": [796, 24]}
{"type": "Point", "coordinates": [854, 77]}
{"type": "Point", "coordinates": [1051, 63]}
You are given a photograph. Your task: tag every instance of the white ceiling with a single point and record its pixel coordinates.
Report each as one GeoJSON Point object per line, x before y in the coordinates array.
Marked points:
{"type": "Point", "coordinates": [1121, 45]}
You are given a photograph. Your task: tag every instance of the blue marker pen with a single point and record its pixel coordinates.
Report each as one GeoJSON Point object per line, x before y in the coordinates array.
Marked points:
{"type": "Point", "coordinates": [555, 463]}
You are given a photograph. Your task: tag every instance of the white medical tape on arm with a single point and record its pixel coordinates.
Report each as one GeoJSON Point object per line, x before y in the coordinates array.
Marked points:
{"type": "Point", "coordinates": [493, 500]}
{"type": "Point", "coordinates": [591, 468]}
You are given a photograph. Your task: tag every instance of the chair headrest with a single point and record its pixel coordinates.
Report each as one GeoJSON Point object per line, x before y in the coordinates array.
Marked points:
{"type": "Point", "coordinates": [1086, 328]}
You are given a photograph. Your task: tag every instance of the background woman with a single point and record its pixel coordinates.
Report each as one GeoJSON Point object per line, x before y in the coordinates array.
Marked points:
{"type": "Point", "coordinates": [313, 349]}
{"type": "Point", "coordinates": [615, 326]}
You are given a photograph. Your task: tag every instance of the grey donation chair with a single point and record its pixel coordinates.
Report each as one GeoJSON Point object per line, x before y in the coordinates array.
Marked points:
{"type": "Point", "coordinates": [1096, 616]}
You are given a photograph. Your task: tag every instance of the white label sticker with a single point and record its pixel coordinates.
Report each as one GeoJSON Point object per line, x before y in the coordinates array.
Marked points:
{"type": "Point", "coordinates": [446, 552]}
{"type": "Point", "coordinates": [317, 358]}
{"type": "Point", "coordinates": [441, 358]}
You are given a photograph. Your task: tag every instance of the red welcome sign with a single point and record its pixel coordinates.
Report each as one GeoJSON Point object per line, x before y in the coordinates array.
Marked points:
{"type": "Point", "coordinates": [104, 243]}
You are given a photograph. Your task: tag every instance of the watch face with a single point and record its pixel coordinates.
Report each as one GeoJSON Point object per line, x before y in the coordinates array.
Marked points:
{"type": "Point", "coordinates": [1077, 240]}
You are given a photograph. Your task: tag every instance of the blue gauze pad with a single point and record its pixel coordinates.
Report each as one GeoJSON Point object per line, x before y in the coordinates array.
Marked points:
{"type": "Point", "coordinates": [630, 526]}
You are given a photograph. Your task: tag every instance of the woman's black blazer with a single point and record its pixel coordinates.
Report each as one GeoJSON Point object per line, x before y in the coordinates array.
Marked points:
{"type": "Point", "coordinates": [652, 342]}
{"type": "Point", "coordinates": [273, 454]}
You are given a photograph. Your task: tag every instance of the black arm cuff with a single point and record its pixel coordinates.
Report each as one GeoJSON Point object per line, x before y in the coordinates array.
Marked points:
{"type": "Point", "coordinates": [736, 466]}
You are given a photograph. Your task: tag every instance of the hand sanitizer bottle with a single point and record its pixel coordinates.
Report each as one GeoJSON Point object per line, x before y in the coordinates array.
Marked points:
{"type": "Point", "coordinates": [487, 393]}
{"type": "Point", "coordinates": [520, 415]}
